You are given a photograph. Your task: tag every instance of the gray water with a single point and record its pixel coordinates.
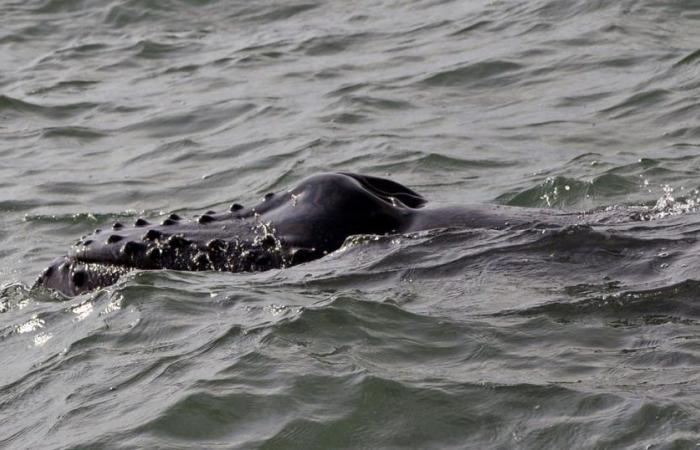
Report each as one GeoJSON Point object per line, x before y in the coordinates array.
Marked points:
{"type": "Point", "coordinates": [581, 338]}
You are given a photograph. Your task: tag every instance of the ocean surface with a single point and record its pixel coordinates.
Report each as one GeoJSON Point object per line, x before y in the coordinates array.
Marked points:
{"type": "Point", "coordinates": [580, 338]}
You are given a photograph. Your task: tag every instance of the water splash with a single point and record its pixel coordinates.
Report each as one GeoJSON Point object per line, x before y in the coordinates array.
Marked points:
{"type": "Point", "coordinates": [668, 205]}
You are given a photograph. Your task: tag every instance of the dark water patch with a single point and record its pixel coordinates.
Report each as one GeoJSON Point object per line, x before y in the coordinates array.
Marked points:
{"type": "Point", "coordinates": [168, 150]}
{"type": "Point", "coordinates": [388, 398]}
{"type": "Point", "coordinates": [18, 205]}
{"type": "Point", "coordinates": [12, 38]}
{"type": "Point", "coordinates": [368, 322]}
{"type": "Point", "coordinates": [556, 10]}
{"type": "Point", "coordinates": [80, 133]}
{"type": "Point", "coordinates": [681, 112]}
{"type": "Point", "coordinates": [690, 58]}
{"type": "Point", "coordinates": [347, 89]}
{"type": "Point", "coordinates": [276, 12]}
{"type": "Point", "coordinates": [79, 51]}
{"type": "Point", "coordinates": [123, 109]}
{"type": "Point", "coordinates": [472, 27]}
{"type": "Point", "coordinates": [199, 3]}
{"type": "Point", "coordinates": [486, 73]}
{"type": "Point", "coordinates": [335, 72]}
{"type": "Point", "coordinates": [538, 28]}
{"type": "Point", "coordinates": [345, 118]}
{"type": "Point", "coordinates": [127, 13]}
{"type": "Point", "coordinates": [66, 86]}
{"type": "Point", "coordinates": [638, 428]}
{"type": "Point", "coordinates": [475, 427]}
{"type": "Point", "coordinates": [329, 45]}
{"type": "Point", "coordinates": [149, 49]}
{"type": "Point", "coordinates": [221, 178]}
{"type": "Point", "coordinates": [88, 187]}
{"type": "Point", "coordinates": [189, 68]}
{"type": "Point", "coordinates": [260, 58]}
{"type": "Point", "coordinates": [13, 106]}
{"type": "Point", "coordinates": [414, 33]}
{"type": "Point", "coordinates": [270, 46]}
{"type": "Point", "coordinates": [222, 61]}
{"type": "Point", "coordinates": [217, 416]}
{"type": "Point", "coordinates": [565, 192]}
{"type": "Point", "coordinates": [610, 184]}
{"type": "Point", "coordinates": [38, 29]}
{"type": "Point", "coordinates": [54, 6]}
{"type": "Point", "coordinates": [201, 119]}
{"type": "Point", "coordinates": [622, 62]}
{"type": "Point", "coordinates": [637, 102]}
{"type": "Point", "coordinates": [578, 100]}
{"type": "Point", "coordinates": [237, 150]}
{"type": "Point", "coordinates": [684, 145]}
{"type": "Point", "coordinates": [430, 161]}
{"type": "Point", "coordinates": [364, 102]}
{"type": "Point", "coordinates": [433, 161]}
{"type": "Point", "coordinates": [669, 304]}
{"type": "Point", "coordinates": [685, 133]}
{"type": "Point", "coordinates": [638, 166]}
{"type": "Point", "coordinates": [125, 64]}
{"type": "Point", "coordinates": [545, 123]}
{"type": "Point", "coordinates": [584, 238]}
{"type": "Point", "coordinates": [661, 170]}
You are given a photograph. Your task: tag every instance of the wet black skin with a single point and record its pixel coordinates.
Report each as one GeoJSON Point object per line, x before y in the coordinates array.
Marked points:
{"type": "Point", "coordinates": [304, 223]}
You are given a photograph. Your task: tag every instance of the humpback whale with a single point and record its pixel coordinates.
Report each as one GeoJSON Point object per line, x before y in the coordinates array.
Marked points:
{"type": "Point", "coordinates": [295, 226]}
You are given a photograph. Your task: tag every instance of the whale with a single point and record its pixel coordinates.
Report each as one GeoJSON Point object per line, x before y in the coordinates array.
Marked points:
{"type": "Point", "coordinates": [287, 228]}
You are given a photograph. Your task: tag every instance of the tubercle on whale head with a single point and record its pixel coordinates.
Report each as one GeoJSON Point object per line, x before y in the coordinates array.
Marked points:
{"type": "Point", "coordinates": [99, 259]}
{"type": "Point", "coordinates": [72, 277]}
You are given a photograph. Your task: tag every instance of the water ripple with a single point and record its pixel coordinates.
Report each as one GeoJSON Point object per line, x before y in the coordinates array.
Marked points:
{"type": "Point", "coordinates": [534, 337]}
